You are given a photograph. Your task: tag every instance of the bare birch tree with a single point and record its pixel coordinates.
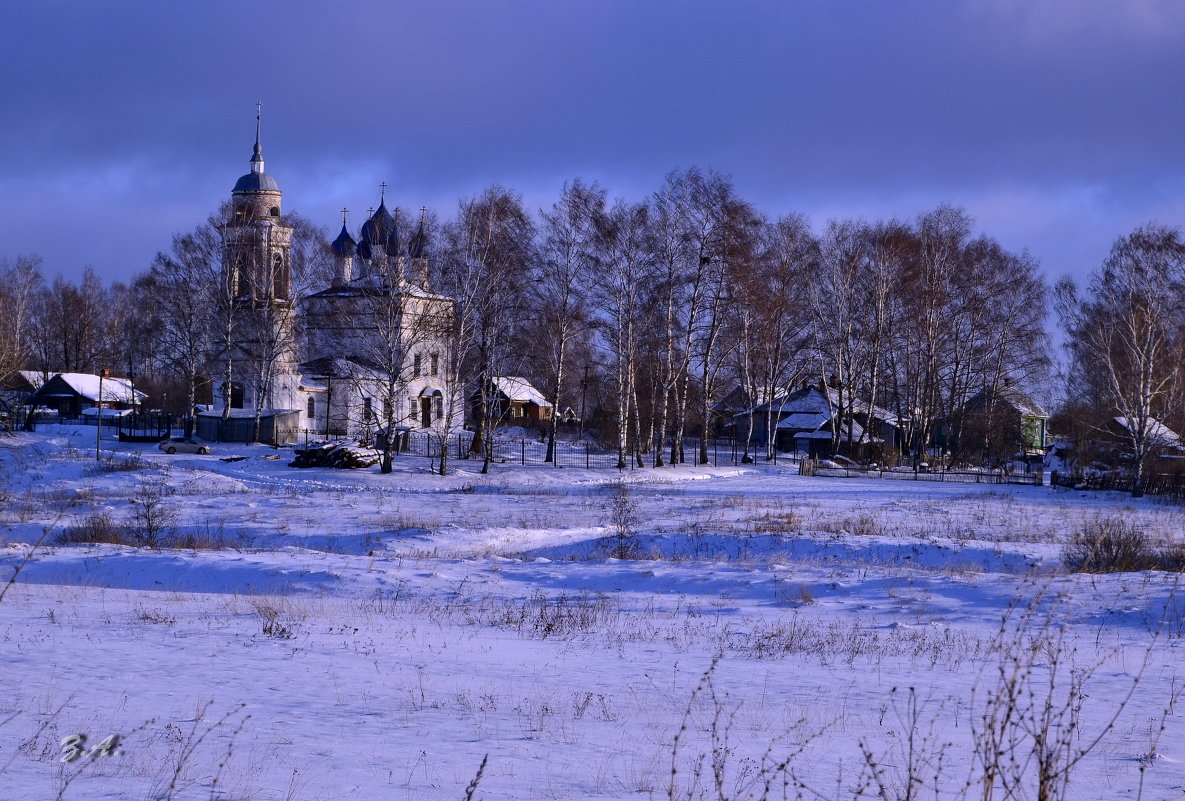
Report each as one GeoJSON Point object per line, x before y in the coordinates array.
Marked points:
{"type": "Point", "coordinates": [20, 284]}
{"type": "Point", "coordinates": [1126, 332]}
{"type": "Point", "coordinates": [560, 281]}
{"type": "Point", "coordinates": [487, 251]}
{"type": "Point", "coordinates": [626, 260]}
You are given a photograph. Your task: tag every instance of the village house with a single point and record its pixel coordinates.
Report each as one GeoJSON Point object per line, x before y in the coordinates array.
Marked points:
{"type": "Point", "coordinates": [1003, 424]}
{"type": "Point", "coordinates": [514, 400]}
{"type": "Point", "coordinates": [74, 395]}
{"type": "Point", "coordinates": [811, 420]}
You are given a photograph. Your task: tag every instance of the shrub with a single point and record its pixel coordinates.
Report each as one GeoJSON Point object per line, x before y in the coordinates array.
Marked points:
{"type": "Point", "coordinates": [1172, 557]}
{"type": "Point", "coordinates": [119, 463]}
{"type": "Point", "coordinates": [622, 518]}
{"type": "Point", "coordinates": [95, 528]}
{"type": "Point", "coordinates": [151, 518]}
{"type": "Point", "coordinates": [1109, 545]}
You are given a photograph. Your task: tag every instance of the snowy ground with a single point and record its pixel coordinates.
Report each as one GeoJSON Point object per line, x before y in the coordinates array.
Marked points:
{"type": "Point", "coordinates": [363, 636]}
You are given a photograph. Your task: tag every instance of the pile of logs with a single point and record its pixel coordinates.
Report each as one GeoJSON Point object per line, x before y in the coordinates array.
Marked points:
{"type": "Point", "coordinates": [337, 454]}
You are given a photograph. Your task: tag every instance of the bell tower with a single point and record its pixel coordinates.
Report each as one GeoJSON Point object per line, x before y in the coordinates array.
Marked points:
{"type": "Point", "coordinates": [257, 246]}
{"type": "Point", "coordinates": [257, 270]}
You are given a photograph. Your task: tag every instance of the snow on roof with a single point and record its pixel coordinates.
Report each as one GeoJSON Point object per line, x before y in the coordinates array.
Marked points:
{"type": "Point", "coordinates": [115, 390]}
{"type": "Point", "coordinates": [517, 388]}
{"type": "Point", "coordinates": [812, 400]}
{"type": "Point", "coordinates": [94, 411]}
{"type": "Point", "coordinates": [825, 433]}
{"type": "Point", "coordinates": [1011, 394]}
{"type": "Point", "coordinates": [803, 421]}
{"type": "Point", "coordinates": [34, 378]}
{"type": "Point", "coordinates": [1158, 432]}
{"type": "Point", "coordinates": [249, 414]}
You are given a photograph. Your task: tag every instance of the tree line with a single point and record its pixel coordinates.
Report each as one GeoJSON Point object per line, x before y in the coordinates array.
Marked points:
{"type": "Point", "coordinates": [643, 315]}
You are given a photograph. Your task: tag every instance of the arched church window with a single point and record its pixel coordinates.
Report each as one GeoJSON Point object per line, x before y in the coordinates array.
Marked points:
{"type": "Point", "coordinates": [274, 211]}
{"type": "Point", "coordinates": [280, 282]}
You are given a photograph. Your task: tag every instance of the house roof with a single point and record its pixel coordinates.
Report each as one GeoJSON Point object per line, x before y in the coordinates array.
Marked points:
{"type": "Point", "coordinates": [86, 385]}
{"type": "Point", "coordinates": [34, 378]}
{"type": "Point", "coordinates": [812, 400]}
{"type": "Point", "coordinates": [1011, 394]}
{"type": "Point", "coordinates": [517, 388]}
{"type": "Point", "coordinates": [1158, 433]}
{"type": "Point", "coordinates": [803, 421]}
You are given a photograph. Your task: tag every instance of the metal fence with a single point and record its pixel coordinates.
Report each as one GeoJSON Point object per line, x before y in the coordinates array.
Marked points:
{"type": "Point", "coordinates": [811, 467]}
{"type": "Point", "coordinates": [533, 453]}
{"type": "Point", "coordinates": [577, 454]}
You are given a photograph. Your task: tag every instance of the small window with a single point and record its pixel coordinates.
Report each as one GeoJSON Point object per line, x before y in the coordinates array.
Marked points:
{"type": "Point", "coordinates": [439, 405]}
{"type": "Point", "coordinates": [386, 408]}
{"type": "Point", "coordinates": [312, 408]}
{"type": "Point", "coordinates": [415, 365]}
{"type": "Point", "coordinates": [435, 363]}
{"type": "Point", "coordinates": [274, 211]}
{"type": "Point", "coordinates": [367, 409]}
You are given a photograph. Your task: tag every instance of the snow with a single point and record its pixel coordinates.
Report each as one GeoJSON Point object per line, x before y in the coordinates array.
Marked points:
{"type": "Point", "coordinates": [115, 390]}
{"type": "Point", "coordinates": [517, 388]}
{"type": "Point", "coordinates": [1158, 433]}
{"type": "Point", "coordinates": [369, 636]}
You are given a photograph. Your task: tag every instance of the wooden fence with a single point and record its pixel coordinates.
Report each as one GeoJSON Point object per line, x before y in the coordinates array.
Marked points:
{"type": "Point", "coordinates": [1164, 485]}
{"type": "Point", "coordinates": [811, 467]}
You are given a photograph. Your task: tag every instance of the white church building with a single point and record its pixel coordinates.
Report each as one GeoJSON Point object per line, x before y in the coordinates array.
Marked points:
{"type": "Point", "coordinates": [370, 349]}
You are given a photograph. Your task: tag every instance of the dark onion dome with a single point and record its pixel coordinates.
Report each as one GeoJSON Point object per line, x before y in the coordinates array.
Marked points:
{"type": "Point", "coordinates": [418, 242]}
{"type": "Point", "coordinates": [375, 233]}
{"type": "Point", "coordinates": [344, 244]}
{"type": "Point", "coordinates": [256, 182]}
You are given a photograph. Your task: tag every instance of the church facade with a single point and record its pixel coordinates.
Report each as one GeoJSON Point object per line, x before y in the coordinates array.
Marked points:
{"type": "Point", "coordinates": [367, 354]}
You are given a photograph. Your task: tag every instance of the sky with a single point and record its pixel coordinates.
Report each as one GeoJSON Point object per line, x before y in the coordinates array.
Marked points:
{"type": "Point", "coordinates": [1057, 124]}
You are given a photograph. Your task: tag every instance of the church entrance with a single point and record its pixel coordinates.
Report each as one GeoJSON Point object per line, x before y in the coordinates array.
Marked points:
{"type": "Point", "coordinates": [425, 411]}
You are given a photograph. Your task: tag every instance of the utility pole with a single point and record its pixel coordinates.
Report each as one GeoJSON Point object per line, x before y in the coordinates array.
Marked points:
{"type": "Point", "coordinates": [99, 418]}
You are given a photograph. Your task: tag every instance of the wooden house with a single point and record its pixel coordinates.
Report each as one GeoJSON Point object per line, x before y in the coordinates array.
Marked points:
{"type": "Point", "coordinates": [515, 401]}
{"type": "Point", "coordinates": [1003, 424]}
{"type": "Point", "coordinates": [811, 419]}
{"type": "Point", "coordinates": [70, 393]}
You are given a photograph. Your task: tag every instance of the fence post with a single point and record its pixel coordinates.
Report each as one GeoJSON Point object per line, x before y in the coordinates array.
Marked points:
{"type": "Point", "coordinates": [522, 443]}
{"type": "Point", "coordinates": [586, 456]}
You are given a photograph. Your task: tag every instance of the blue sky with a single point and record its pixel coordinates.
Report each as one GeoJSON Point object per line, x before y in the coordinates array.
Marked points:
{"type": "Point", "coordinates": [1058, 124]}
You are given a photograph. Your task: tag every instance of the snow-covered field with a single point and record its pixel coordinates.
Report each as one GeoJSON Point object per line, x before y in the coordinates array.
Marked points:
{"type": "Point", "coordinates": [354, 635]}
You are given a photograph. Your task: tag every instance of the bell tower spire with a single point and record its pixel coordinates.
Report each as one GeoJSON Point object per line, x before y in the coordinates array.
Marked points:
{"type": "Point", "coordinates": [257, 155]}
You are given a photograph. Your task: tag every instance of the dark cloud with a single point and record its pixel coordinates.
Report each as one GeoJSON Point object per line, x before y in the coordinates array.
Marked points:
{"type": "Point", "coordinates": [1056, 123]}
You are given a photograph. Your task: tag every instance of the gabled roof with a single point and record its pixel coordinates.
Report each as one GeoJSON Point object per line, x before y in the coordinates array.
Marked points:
{"type": "Point", "coordinates": [34, 378]}
{"type": "Point", "coordinates": [86, 386]}
{"type": "Point", "coordinates": [1010, 394]}
{"type": "Point", "coordinates": [517, 388]}
{"type": "Point", "coordinates": [803, 421]}
{"type": "Point", "coordinates": [1158, 433]}
{"type": "Point", "coordinates": [812, 400]}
